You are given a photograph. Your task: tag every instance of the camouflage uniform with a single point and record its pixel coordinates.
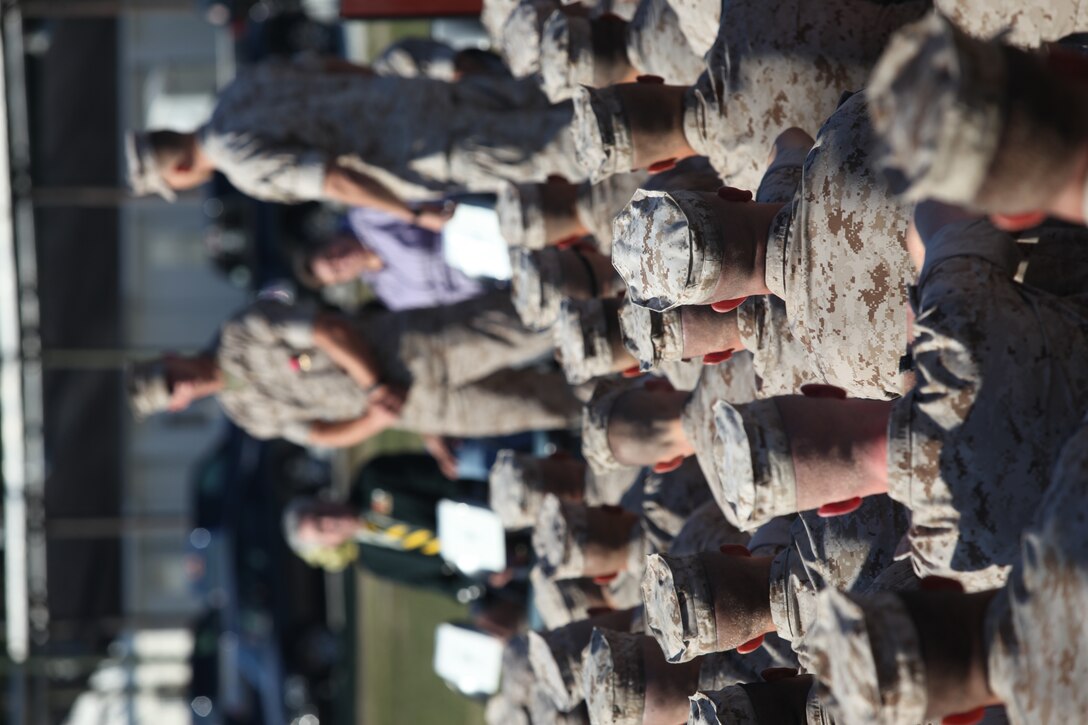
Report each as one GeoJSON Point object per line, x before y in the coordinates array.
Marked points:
{"type": "Point", "coordinates": [1034, 627]}
{"type": "Point", "coordinates": [456, 362]}
{"type": "Point", "coordinates": [1000, 387]}
{"type": "Point", "coordinates": [276, 127]}
{"type": "Point", "coordinates": [654, 42]}
{"type": "Point", "coordinates": [556, 655]}
{"type": "Point", "coordinates": [847, 552]}
{"type": "Point", "coordinates": [760, 81]}
{"type": "Point", "coordinates": [838, 259]}
{"type": "Point", "coordinates": [733, 380]}
{"type": "Point", "coordinates": [416, 57]}
{"type": "Point", "coordinates": [613, 675]}
{"type": "Point", "coordinates": [1024, 24]}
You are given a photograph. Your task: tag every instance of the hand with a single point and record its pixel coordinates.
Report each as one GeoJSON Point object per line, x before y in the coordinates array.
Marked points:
{"type": "Point", "coordinates": [389, 398]}
{"type": "Point", "coordinates": [443, 456]}
{"type": "Point", "coordinates": [434, 217]}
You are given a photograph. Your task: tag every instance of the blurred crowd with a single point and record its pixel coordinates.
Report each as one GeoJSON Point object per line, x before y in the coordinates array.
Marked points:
{"type": "Point", "coordinates": [798, 290]}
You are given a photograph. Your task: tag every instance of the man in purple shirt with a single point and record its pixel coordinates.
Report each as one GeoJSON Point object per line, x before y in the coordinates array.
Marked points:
{"type": "Point", "coordinates": [401, 262]}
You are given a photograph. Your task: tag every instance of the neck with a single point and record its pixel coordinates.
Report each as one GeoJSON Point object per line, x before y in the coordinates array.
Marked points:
{"type": "Point", "coordinates": [950, 631]}
{"type": "Point", "coordinates": [608, 539]}
{"type": "Point", "coordinates": [559, 206]}
{"type": "Point", "coordinates": [656, 114]}
{"type": "Point", "coordinates": [706, 331]}
{"type": "Point", "coordinates": [201, 160]}
{"type": "Point", "coordinates": [741, 589]}
{"type": "Point", "coordinates": [764, 217]}
{"type": "Point", "coordinates": [839, 447]}
{"type": "Point", "coordinates": [667, 686]}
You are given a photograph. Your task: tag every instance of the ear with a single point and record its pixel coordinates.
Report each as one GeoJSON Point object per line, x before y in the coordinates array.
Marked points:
{"type": "Point", "coordinates": [650, 80]}
{"type": "Point", "coordinates": [735, 550]}
{"type": "Point", "coordinates": [713, 358]}
{"type": "Point", "coordinates": [631, 372]}
{"type": "Point", "coordinates": [732, 193]}
{"type": "Point", "coordinates": [568, 242]}
{"type": "Point", "coordinates": [727, 305]}
{"type": "Point", "coordinates": [668, 466]}
{"type": "Point", "coordinates": [839, 508]}
{"type": "Point", "coordinates": [1018, 222]}
{"type": "Point", "coordinates": [604, 578]}
{"type": "Point", "coordinates": [751, 645]}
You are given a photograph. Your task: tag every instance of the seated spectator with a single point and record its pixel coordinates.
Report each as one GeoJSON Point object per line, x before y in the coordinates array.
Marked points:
{"type": "Point", "coordinates": [401, 262]}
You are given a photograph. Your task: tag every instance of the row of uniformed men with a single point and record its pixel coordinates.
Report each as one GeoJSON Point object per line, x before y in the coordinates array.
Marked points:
{"type": "Point", "coordinates": [968, 446]}
{"type": "Point", "coordinates": [892, 410]}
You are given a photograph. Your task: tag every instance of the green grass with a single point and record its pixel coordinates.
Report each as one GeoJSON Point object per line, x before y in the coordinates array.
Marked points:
{"type": "Point", "coordinates": [395, 646]}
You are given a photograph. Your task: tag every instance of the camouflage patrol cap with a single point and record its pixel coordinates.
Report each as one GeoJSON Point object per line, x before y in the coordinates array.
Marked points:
{"type": "Point", "coordinates": [754, 463]}
{"type": "Point", "coordinates": [868, 657]}
{"type": "Point", "coordinates": [500, 711]}
{"type": "Point", "coordinates": [595, 417]}
{"type": "Point", "coordinates": [534, 280]}
{"type": "Point", "coordinates": [602, 133]}
{"type": "Point", "coordinates": [582, 341]}
{"type": "Point", "coordinates": [666, 247]}
{"type": "Point", "coordinates": [614, 678]}
{"type": "Point", "coordinates": [566, 55]}
{"type": "Point", "coordinates": [515, 489]}
{"type": "Point", "coordinates": [517, 675]}
{"type": "Point", "coordinates": [728, 706]}
{"type": "Point", "coordinates": [559, 538]}
{"type": "Point", "coordinates": [651, 337]}
{"type": "Point", "coordinates": [144, 172]}
{"type": "Point", "coordinates": [148, 388]}
{"type": "Point", "coordinates": [521, 35]}
{"type": "Point", "coordinates": [679, 606]}
{"type": "Point", "coordinates": [936, 99]}
{"type": "Point", "coordinates": [543, 711]}
{"type": "Point", "coordinates": [556, 660]}
{"type": "Point", "coordinates": [521, 215]}
{"type": "Point", "coordinates": [559, 602]}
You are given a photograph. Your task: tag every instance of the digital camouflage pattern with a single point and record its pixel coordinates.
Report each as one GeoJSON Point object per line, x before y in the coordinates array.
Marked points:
{"type": "Point", "coordinates": [521, 216]}
{"type": "Point", "coordinates": [669, 500]}
{"type": "Point", "coordinates": [515, 488]}
{"type": "Point", "coordinates": [657, 45]}
{"type": "Point", "coordinates": [599, 202]}
{"type": "Point", "coordinates": [456, 362]}
{"type": "Point", "coordinates": [556, 655]}
{"type": "Point", "coordinates": [602, 137]}
{"type": "Point", "coordinates": [520, 35]}
{"type": "Point", "coordinates": [848, 552]}
{"type": "Point", "coordinates": [759, 82]}
{"type": "Point", "coordinates": [780, 362]}
{"type": "Point", "coordinates": [732, 380]}
{"type": "Point", "coordinates": [1023, 24]}
{"type": "Point", "coordinates": [276, 127]}
{"type": "Point", "coordinates": [559, 538]}
{"type": "Point", "coordinates": [560, 601]}
{"type": "Point", "coordinates": [613, 678]}
{"type": "Point", "coordinates": [416, 57]}
{"type": "Point", "coordinates": [754, 475]}
{"type": "Point", "coordinates": [517, 675]}
{"type": "Point", "coordinates": [699, 21]}
{"type": "Point", "coordinates": [706, 530]}
{"type": "Point", "coordinates": [868, 658]}
{"type": "Point", "coordinates": [679, 604]}
{"type": "Point", "coordinates": [999, 389]}
{"type": "Point", "coordinates": [1035, 626]}
{"type": "Point", "coordinates": [838, 259]}
{"type": "Point", "coordinates": [728, 706]}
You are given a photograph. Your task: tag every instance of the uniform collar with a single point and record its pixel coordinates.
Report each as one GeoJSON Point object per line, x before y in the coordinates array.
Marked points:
{"type": "Point", "coordinates": [777, 246]}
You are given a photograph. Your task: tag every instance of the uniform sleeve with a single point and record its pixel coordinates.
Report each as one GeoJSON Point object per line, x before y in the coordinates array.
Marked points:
{"type": "Point", "coordinates": [783, 176]}
{"type": "Point", "coordinates": [270, 321]}
{"type": "Point", "coordinates": [270, 171]}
